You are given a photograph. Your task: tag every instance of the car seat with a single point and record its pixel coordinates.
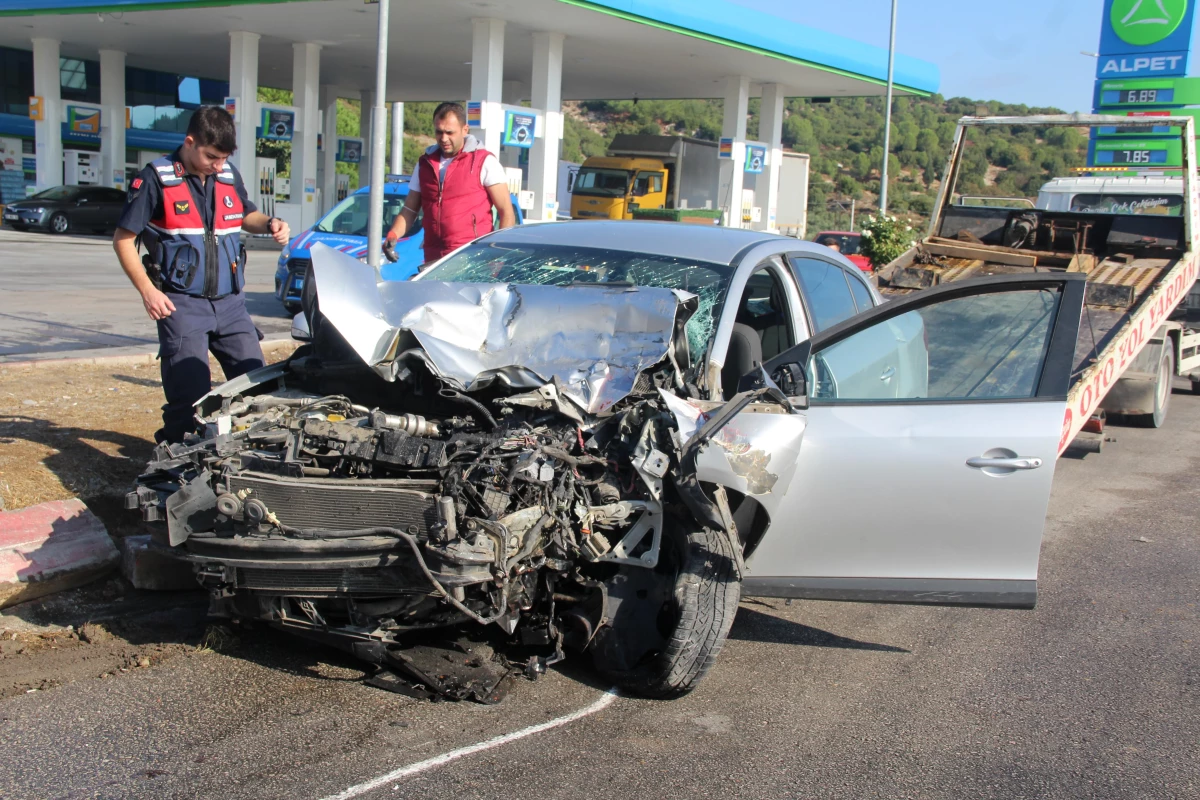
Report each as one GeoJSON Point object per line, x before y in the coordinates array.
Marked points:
{"type": "Point", "coordinates": [744, 354]}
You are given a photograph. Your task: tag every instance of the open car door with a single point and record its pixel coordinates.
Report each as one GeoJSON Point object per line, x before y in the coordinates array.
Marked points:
{"type": "Point", "coordinates": [920, 469]}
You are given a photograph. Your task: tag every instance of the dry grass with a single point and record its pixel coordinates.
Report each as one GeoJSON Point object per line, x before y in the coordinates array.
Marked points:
{"type": "Point", "coordinates": [79, 430]}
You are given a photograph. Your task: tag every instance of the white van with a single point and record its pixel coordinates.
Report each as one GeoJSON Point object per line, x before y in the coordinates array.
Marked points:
{"type": "Point", "coordinates": [1141, 194]}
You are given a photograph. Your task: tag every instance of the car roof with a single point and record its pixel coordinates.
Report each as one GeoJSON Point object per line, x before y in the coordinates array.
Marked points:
{"type": "Point", "coordinates": [710, 243]}
{"type": "Point", "coordinates": [389, 187]}
{"type": "Point", "coordinates": [1149, 184]}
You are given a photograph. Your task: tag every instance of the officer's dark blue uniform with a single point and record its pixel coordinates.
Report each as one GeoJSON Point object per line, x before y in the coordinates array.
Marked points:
{"type": "Point", "coordinates": [190, 226]}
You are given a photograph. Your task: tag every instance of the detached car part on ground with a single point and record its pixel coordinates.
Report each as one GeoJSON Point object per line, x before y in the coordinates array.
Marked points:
{"type": "Point", "coordinates": [555, 462]}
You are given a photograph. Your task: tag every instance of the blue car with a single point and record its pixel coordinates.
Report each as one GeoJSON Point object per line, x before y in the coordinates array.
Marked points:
{"type": "Point", "coordinates": [345, 228]}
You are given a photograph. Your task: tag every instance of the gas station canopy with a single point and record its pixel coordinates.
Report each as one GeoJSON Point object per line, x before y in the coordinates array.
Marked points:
{"type": "Point", "coordinates": [503, 57]}
{"type": "Point", "coordinates": [615, 49]}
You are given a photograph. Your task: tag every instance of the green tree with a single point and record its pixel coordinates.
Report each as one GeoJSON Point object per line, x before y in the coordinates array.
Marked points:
{"type": "Point", "coordinates": [849, 188]}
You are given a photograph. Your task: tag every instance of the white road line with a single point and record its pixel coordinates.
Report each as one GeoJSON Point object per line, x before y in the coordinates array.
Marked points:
{"type": "Point", "coordinates": [421, 766]}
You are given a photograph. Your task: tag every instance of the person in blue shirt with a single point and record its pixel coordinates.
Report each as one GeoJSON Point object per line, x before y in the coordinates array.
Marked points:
{"type": "Point", "coordinates": [189, 209]}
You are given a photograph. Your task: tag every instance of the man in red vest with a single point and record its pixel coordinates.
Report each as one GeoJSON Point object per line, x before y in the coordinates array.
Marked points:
{"type": "Point", "coordinates": [455, 183]}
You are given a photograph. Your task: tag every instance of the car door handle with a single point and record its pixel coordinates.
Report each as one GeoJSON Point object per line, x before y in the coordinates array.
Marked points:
{"type": "Point", "coordinates": [887, 374]}
{"type": "Point", "coordinates": [981, 462]}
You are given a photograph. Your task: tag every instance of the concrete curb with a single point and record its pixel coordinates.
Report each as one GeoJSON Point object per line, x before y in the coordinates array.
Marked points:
{"type": "Point", "coordinates": [50, 547]}
{"type": "Point", "coordinates": [128, 355]}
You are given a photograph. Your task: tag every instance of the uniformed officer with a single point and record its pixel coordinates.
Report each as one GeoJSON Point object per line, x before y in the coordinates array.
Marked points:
{"type": "Point", "coordinates": [188, 209]}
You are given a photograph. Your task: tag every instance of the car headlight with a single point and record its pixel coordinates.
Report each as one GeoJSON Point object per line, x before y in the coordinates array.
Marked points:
{"type": "Point", "coordinates": [33, 210]}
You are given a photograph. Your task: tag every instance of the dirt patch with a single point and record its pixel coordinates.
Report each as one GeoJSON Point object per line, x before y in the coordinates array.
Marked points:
{"type": "Point", "coordinates": [80, 430]}
{"type": "Point", "coordinates": [100, 631]}
{"type": "Point", "coordinates": [87, 431]}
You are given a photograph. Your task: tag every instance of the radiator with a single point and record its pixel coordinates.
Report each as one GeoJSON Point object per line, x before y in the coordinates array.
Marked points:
{"type": "Point", "coordinates": [340, 505]}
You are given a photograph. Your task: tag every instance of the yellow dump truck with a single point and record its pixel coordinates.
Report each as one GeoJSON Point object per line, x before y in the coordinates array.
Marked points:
{"type": "Point", "coordinates": [646, 172]}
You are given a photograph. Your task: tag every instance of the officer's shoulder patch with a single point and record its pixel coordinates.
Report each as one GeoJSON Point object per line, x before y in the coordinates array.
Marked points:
{"type": "Point", "coordinates": [137, 184]}
{"type": "Point", "coordinates": [182, 206]}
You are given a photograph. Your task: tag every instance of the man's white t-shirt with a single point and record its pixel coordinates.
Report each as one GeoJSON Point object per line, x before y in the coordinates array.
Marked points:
{"type": "Point", "coordinates": [491, 174]}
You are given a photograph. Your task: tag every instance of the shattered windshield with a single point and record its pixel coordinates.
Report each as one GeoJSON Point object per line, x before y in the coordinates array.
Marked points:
{"type": "Point", "coordinates": [561, 265]}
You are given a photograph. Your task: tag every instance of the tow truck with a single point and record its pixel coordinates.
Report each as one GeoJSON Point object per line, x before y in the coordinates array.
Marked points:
{"type": "Point", "coordinates": [1133, 337]}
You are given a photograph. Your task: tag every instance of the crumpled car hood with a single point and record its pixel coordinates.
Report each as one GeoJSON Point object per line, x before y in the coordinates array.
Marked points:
{"type": "Point", "coordinates": [592, 341]}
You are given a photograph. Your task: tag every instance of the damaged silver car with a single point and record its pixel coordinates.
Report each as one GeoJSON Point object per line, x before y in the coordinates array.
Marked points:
{"type": "Point", "coordinates": [596, 437]}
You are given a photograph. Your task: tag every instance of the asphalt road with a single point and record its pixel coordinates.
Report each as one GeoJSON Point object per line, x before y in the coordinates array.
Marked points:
{"type": "Point", "coordinates": [1092, 695]}
{"type": "Point", "coordinates": [67, 293]}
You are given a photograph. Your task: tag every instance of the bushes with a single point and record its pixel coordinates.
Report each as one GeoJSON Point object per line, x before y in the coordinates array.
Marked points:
{"type": "Point", "coordinates": [884, 239]}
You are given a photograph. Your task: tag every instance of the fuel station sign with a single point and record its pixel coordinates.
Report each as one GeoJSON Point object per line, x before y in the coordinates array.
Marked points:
{"type": "Point", "coordinates": [1142, 38]}
{"type": "Point", "coordinates": [1145, 46]}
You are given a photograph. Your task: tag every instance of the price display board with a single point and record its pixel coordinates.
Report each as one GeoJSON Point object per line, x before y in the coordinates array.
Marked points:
{"type": "Point", "coordinates": [1138, 153]}
{"type": "Point", "coordinates": [1147, 92]}
{"type": "Point", "coordinates": [1141, 123]}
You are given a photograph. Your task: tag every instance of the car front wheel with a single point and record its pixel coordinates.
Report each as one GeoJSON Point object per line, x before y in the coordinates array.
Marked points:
{"type": "Point", "coordinates": [669, 623]}
{"type": "Point", "coordinates": [59, 223]}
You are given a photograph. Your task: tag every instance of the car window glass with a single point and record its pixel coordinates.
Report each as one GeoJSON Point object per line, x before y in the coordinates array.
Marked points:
{"type": "Point", "coordinates": [846, 243]}
{"type": "Point", "coordinates": [596, 182]}
{"type": "Point", "coordinates": [982, 347]}
{"type": "Point", "coordinates": [656, 179]}
{"type": "Point", "coordinates": [862, 295]}
{"type": "Point", "coordinates": [57, 193]}
{"type": "Point", "coordinates": [641, 184]}
{"type": "Point", "coordinates": [114, 196]}
{"type": "Point", "coordinates": [351, 216]}
{"type": "Point", "coordinates": [825, 291]}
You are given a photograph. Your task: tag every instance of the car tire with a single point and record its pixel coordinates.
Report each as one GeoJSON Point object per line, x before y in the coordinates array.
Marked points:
{"type": "Point", "coordinates": [58, 223]}
{"type": "Point", "coordinates": [671, 622]}
{"type": "Point", "coordinates": [1162, 390]}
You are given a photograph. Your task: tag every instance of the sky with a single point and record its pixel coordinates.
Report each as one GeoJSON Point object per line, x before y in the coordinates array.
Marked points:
{"type": "Point", "coordinates": [1015, 51]}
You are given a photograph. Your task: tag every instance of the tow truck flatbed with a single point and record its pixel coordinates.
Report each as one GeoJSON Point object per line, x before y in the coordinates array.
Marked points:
{"type": "Point", "coordinates": [1140, 268]}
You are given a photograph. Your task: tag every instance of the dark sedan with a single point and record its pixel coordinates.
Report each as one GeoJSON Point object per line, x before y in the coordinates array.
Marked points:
{"type": "Point", "coordinates": [64, 209]}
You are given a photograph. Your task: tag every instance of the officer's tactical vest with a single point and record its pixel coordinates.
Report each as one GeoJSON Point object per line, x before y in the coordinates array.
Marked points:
{"type": "Point", "coordinates": [196, 260]}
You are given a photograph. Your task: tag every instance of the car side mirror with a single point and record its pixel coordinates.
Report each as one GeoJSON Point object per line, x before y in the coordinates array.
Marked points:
{"type": "Point", "coordinates": [791, 379]}
{"type": "Point", "coordinates": [300, 330]}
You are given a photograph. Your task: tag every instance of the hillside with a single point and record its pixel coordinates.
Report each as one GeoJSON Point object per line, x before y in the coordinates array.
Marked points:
{"type": "Point", "coordinates": [845, 139]}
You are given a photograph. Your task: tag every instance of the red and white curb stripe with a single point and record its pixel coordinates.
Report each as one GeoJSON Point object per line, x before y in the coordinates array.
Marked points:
{"type": "Point", "coordinates": [50, 547]}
